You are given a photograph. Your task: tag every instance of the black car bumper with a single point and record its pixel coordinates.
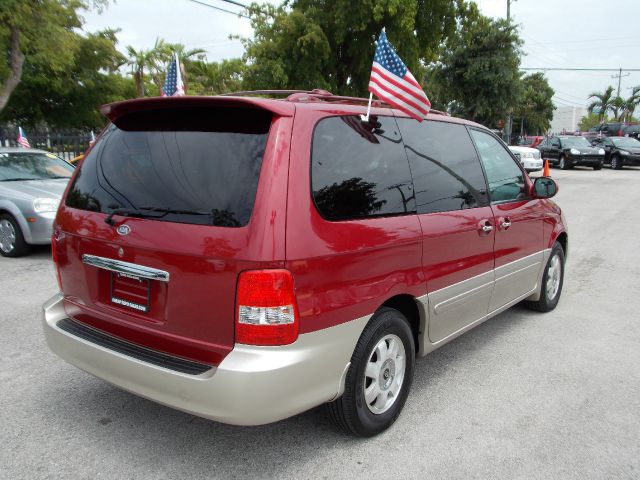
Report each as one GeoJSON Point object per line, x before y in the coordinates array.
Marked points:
{"type": "Point", "coordinates": [586, 160]}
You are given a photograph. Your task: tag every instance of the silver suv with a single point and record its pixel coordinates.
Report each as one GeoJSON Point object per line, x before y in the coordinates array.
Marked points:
{"type": "Point", "coordinates": [31, 185]}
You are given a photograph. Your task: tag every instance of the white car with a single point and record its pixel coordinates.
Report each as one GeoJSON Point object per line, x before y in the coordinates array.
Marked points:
{"type": "Point", "coordinates": [529, 158]}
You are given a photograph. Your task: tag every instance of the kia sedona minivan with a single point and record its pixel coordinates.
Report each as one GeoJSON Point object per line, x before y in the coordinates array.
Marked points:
{"type": "Point", "coordinates": [245, 259]}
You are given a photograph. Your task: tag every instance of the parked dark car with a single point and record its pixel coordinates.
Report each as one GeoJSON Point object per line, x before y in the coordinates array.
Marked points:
{"type": "Point", "coordinates": [570, 151]}
{"type": "Point", "coordinates": [612, 129]}
{"type": "Point", "coordinates": [631, 130]}
{"type": "Point", "coordinates": [619, 151]}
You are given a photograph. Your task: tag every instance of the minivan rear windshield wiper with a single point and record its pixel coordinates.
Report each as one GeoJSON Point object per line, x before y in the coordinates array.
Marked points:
{"type": "Point", "coordinates": [148, 212]}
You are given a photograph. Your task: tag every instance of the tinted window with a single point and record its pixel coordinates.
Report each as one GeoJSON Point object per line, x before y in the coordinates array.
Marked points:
{"type": "Point", "coordinates": [576, 142]}
{"type": "Point", "coordinates": [506, 180]}
{"type": "Point", "coordinates": [203, 162]}
{"type": "Point", "coordinates": [555, 142]}
{"type": "Point", "coordinates": [446, 170]}
{"type": "Point", "coordinates": [360, 170]}
{"type": "Point", "coordinates": [15, 166]}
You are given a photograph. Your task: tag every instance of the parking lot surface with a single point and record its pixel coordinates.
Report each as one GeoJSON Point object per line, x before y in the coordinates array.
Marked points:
{"type": "Point", "coordinates": [525, 395]}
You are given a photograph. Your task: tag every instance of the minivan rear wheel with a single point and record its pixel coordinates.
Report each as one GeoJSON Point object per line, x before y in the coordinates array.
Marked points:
{"type": "Point", "coordinates": [552, 282]}
{"type": "Point", "coordinates": [12, 243]}
{"type": "Point", "coordinates": [379, 378]}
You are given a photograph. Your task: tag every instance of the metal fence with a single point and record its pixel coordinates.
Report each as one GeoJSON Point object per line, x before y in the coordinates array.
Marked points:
{"type": "Point", "coordinates": [66, 144]}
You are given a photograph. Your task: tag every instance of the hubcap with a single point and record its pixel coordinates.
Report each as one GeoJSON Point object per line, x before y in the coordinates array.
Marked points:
{"type": "Point", "coordinates": [554, 273]}
{"type": "Point", "coordinates": [384, 374]}
{"type": "Point", "coordinates": [7, 236]}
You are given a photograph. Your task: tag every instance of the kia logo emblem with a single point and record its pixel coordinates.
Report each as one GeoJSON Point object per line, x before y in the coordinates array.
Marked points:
{"type": "Point", "coordinates": [124, 230]}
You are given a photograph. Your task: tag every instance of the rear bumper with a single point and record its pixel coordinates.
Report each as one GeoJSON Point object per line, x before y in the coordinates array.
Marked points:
{"type": "Point", "coordinates": [251, 386]}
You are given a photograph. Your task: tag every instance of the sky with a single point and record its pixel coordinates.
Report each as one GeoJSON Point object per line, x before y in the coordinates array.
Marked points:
{"type": "Point", "coordinates": [556, 34]}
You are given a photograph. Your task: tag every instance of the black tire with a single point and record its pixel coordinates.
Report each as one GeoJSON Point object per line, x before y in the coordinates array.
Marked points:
{"type": "Point", "coordinates": [19, 247]}
{"type": "Point", "coordinates": [616, 162]}
{"type": "Point", "coordinates": [545, 303]}
{"type": "Point", "coordinates": [563, 163]}
{"type": "Point", "coordinates": [350, 412]}
{"type": "Point", "coordinates": [598, 166]}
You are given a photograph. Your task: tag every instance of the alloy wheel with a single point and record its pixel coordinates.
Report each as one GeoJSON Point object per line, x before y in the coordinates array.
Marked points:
{"type": "Point", "coordinates": [7, 236]}
{"type": "Point", "coordinates": [554, 274]}
{"type": "Point", "coordinates": [384, 374]}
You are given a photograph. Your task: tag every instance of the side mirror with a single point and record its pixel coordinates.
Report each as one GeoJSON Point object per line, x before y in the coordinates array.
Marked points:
{"type": "Point", "coordinates": [545, 187]}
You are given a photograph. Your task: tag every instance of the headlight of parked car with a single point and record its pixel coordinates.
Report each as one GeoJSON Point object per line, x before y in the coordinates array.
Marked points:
{"type": "Point", "coordinates": [574, 151]}
{"type": "Point", "coordinates": [624, 152]}
{"type": "Point", "coordinates": [601, 151]}
{"type": "Point", "coordinates": [42, 205]}
{"type": "Point", "coordinates": [528, 155]}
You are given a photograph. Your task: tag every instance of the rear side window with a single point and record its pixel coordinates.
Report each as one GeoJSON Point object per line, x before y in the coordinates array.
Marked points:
{"type": "Point", "coordinates": [506, 180]}
{"type": "Point", "coordinates": [360, 170]}
{"type": "Point", "coordinates": [199, 165]}
{"type": "Point", "coordinates": [446, 170]}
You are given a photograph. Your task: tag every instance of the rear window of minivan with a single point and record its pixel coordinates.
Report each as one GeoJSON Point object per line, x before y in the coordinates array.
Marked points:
{"type": "Point", "coordinates": [198, 165]}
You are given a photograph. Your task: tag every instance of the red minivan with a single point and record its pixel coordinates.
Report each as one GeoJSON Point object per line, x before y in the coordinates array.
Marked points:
{"type": "Point", "coordinates": [245, 258]}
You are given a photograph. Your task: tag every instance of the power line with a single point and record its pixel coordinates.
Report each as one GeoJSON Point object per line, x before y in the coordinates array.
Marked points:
{"type": "Point", "coordinates": [220, 9]}
{"type": "Point", "coordinates": [583, 69]}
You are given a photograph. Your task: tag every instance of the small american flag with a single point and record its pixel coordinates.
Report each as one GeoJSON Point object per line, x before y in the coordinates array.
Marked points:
{"type": "Point", "coordinates": [173, 86]}
{"type": "Point", "coordinates": [392, 82]}
{"type": "Point", "coordinates": [22, 140]}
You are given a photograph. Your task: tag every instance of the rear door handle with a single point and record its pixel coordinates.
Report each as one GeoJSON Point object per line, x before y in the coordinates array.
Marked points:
{"type": "Point", "coordinates": [484, 228]}
{"type": "Point", "coordinates": [505, 223]}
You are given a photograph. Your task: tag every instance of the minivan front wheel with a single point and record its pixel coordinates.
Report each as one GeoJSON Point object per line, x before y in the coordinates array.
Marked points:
{"type": "Point", "coordinates": [379, 378]}
{"type": "Point", "coordinates": [552, 282]}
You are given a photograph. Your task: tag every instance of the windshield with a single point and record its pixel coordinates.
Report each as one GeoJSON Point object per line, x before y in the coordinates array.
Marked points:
{"type": "Point", "coordinates": [188, 165]}
{"type": "Point", "coordinates": [32, 166]}
{"type": "Point", "coordinates": [575, 142]}
{"type": "Point", "coordinates": [626, 142]}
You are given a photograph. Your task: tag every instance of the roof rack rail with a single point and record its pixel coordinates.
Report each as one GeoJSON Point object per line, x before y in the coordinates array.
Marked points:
{"type": "Point", "coordinates": [317, 94]}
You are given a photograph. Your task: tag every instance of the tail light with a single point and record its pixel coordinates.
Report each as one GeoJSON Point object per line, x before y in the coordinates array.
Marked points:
{"type": "Point", "coordinates": [266, 308]}
{"type": "Point", "coordinates": [54, 255]}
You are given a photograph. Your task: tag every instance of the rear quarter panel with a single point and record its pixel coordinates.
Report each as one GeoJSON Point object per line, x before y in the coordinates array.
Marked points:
{"type": "Point", "coordinates": [344, 270]}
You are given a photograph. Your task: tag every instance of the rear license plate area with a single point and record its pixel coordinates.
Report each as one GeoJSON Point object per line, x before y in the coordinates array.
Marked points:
{"type": "Point", "coordinates": [130, 291]}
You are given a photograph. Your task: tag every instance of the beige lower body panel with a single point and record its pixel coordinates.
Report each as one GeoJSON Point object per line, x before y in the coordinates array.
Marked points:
{"type": "Point", "coordinates": [448, 313]}
{"type": "Point", "coordinates": [251, 386]}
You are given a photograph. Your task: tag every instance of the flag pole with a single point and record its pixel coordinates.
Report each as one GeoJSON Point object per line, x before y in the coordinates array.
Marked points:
{"type": "Point", "coordinates": [365, 118]}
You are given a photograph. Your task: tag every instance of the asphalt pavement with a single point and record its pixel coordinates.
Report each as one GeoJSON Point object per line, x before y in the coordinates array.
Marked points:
{"type": "Point", "coordinates": [525, 395]}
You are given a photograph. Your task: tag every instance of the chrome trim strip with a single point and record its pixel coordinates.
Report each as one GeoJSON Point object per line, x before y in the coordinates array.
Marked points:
{"type": "Point", "coordinates": [125, 267]}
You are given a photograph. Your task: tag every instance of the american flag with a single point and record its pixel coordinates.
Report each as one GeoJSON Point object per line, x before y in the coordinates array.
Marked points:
{"type": "Point", "coordinates": [392, 82]}
{"type": "Point", "coordinates": [22, 140]}
{"type": "Point", "coordinates": [173, 85]}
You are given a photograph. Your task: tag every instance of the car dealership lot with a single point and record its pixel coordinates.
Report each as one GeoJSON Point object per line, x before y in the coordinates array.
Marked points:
{"type": "Point", "coordinates": [525, 395]}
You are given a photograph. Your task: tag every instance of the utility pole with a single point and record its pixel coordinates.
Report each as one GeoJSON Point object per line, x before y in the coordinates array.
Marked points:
{"type": "Point", "coordinates": [619, 77]}
{"type": "Point", "coordinates": [509, 119]}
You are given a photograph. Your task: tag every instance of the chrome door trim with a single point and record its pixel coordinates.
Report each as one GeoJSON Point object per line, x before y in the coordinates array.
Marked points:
{"type": "Point", "coordinates": [126, 268]}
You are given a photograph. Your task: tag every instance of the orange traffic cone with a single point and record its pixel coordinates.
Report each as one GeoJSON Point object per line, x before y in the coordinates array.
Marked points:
{"type": "Point", "coordinates": [545, 172]}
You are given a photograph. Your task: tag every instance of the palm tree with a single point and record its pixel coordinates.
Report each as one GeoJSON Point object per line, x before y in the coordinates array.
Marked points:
{"type": "Point", "coordinates": [186, 57]}
{"type": "Point", "coordinates": [617, 107]}
{"type": "Point", "coordinates": [630, 104]}
{"type": "Point", "coordinates": [143, 61]}
{"type": "Point", "coordinates": [603, 101]}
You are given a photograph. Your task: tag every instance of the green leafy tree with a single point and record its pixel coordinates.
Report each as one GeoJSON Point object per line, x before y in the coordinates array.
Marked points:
{"type": "Point", "coordinates": [534, 110]}
{"type": "Point", "coordinates": [145, 62]}
{"type": "Point", "coordinates": [589, 121]}
{"type": "Point", "coordinates": [630, 104]}
{"type": "Point", "coordinates": [37, 34]}
{"type": "Point", "coordinates": [71, 98]}
{"type": "Point", "coordinates": [330, 43]}
{"type": "Point", "coordinates": [477, 75]}
{"type": "Point", "coordinates": [603, 102]}
{"type": "Point", "coordinates": [214, 78]}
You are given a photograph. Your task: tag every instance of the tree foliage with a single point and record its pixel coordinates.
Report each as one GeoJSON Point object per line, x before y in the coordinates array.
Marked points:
{"type": "Point", "coordinates": [37, 34]}
{"type": "Point", "coordinates": [477, 75]}
{"type": "Point", "coordinates": [330, 43]}
{"type": "Point", "coordinates": [534, 110]}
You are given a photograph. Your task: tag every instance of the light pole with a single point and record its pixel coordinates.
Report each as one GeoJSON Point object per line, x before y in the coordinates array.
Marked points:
{"type": "Point", "coordinates": [509, 119]}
